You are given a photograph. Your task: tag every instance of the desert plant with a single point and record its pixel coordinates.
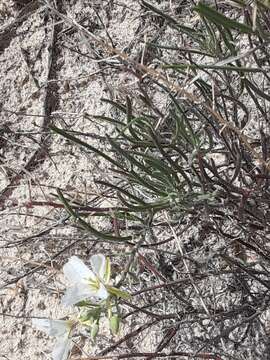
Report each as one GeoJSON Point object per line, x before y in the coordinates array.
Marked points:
{"type": "Point", "coordinates": [199, 165]}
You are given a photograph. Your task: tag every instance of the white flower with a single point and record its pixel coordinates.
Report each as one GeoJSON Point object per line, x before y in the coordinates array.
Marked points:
{"type": "Point", "coordinates": [60, 329]}
{"type": "Point", "coordinates": [85, 282]}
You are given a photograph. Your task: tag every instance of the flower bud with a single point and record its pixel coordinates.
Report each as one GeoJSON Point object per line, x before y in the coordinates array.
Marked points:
{"type": "Point", "coordinates": [94, 330]}
{"type": "Point", "coordinates": [114, 324]}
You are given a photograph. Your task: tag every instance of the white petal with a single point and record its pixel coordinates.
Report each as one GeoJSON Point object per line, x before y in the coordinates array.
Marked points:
{"type": "Point", "coordinates": [98, 264]}
{"type": "Point", "coordinates": [52, 327]}
{"type": "Point", "coordinates": [62, 349]}
{"type": "Point", "coordinates": [77, 293]}
{"type": "Point", "coordinates": [76, 271]}
{"type": "Point", "coordinates": [102, 292]}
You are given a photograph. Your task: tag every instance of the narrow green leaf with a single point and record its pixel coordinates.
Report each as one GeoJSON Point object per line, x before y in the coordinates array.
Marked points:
{"type": "Point", "coordinates": [173, 163]}
{"type": "Point", "coordinates": [185, 29]}
{"type": "Point", "coordinates": [121, 190]}
{"type": "Point", "coordinates": [262, 94]}
{"type": "Point", "coordinates": [115, 324]}
{"type": "Point", "coordinates": [212, 67]}
{"type": "Point", "coordinates": [70, 137]}
{"type": "Point", "coordinates": [108, 119]}
{"type": "Point", "coordinates": [129, 109]}
{"type": "Point", "coordinates": [107, 275]}
{"type": "Point", "coordinates": [132, 159]}
{"type": "Point", "coordinates": [87, 226]}
{"type": "Point", "coordinates": [219, 19]}
{"type": "Point", "coordinates": [120, 107]}
{"type": "Point", "coordinates": [119, 293]}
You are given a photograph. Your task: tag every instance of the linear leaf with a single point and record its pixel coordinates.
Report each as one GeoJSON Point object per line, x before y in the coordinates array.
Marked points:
{"type": "Point", "coordinates": [87, 226]}
{"type": "Point", "coordinates": [185, 29]}
{"type": "Point", "coordinates": [121, 190]}
{"type": "Point", "coordinates": [219, 19]}
{"type": "Point", "coordinates": [86, 145]}
{"type": "Point", "coordinates": [212, 67]}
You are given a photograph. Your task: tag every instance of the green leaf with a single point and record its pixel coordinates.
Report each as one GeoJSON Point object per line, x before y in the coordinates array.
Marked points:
{"type": "Point", "coordinates": [87, 226]}
{"type": "Point", "coordinates": [114, 324]}
{"type": "Point", "coordinates": [132, 160]}
{"type": "Point", "coordinates": [108, 119]}
{"type": "Point", "coordinates": [84, 303]}
{"type": "Point", "coordinates": [263, 94]}
{"type": "Point", "coordinates": [107, 275]}
{"type": "Point", "coordinates": [219, 19]}
{"type": "Point", "coordinates": [70, 137]}
{"type": "Point", "coordinates": [119, 106]}
{"type": "Point", "coordinates": [129, 109]}
{"type": "Point", "coordinates": [119, 293]}
{"type": "Point", "coordinates": [122, 191]}
{"type": "Point", "coordinates": [212, 67]}
{"type": "Point", "coordinates": [89, 316]}
{"type": "Point", "coordinates": [94, 330]}
{"type": "Point", "coordinates": [185, 29]}
{"type": "Point", "coordinates": [264, 3]}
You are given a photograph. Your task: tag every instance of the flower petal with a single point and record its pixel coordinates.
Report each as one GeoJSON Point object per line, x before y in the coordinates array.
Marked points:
{"type": "Point", "coordinates": [98, 265]}
{"type": "Point", "coordinates": [52, 327]}
{"type": "Point", "coordinates": [77, 293]}
{"type": "Point", "coordinates": [76, 271]}
{"type": "Point", "coordinates": [102, 292]}
{"type": "Point", "coordinates": [62, 349]}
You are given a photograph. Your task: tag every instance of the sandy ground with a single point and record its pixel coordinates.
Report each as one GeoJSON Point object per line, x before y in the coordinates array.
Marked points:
{"type": "Point", "coordinates": [44, 79]}
{"type": "Point", "coordinates": [50, 75]}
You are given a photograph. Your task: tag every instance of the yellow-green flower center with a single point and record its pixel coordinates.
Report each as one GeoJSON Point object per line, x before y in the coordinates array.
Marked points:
{"type": "Point", "coordinates": [94, 283]}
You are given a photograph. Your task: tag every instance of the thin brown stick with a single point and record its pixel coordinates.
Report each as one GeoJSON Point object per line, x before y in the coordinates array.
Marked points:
{"type": "Point", "coordinates": [130, 335]}
{"type": "Point", "coordinates": [167, 284]}
{"type": "Point", "coordinates": [175, 354]}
